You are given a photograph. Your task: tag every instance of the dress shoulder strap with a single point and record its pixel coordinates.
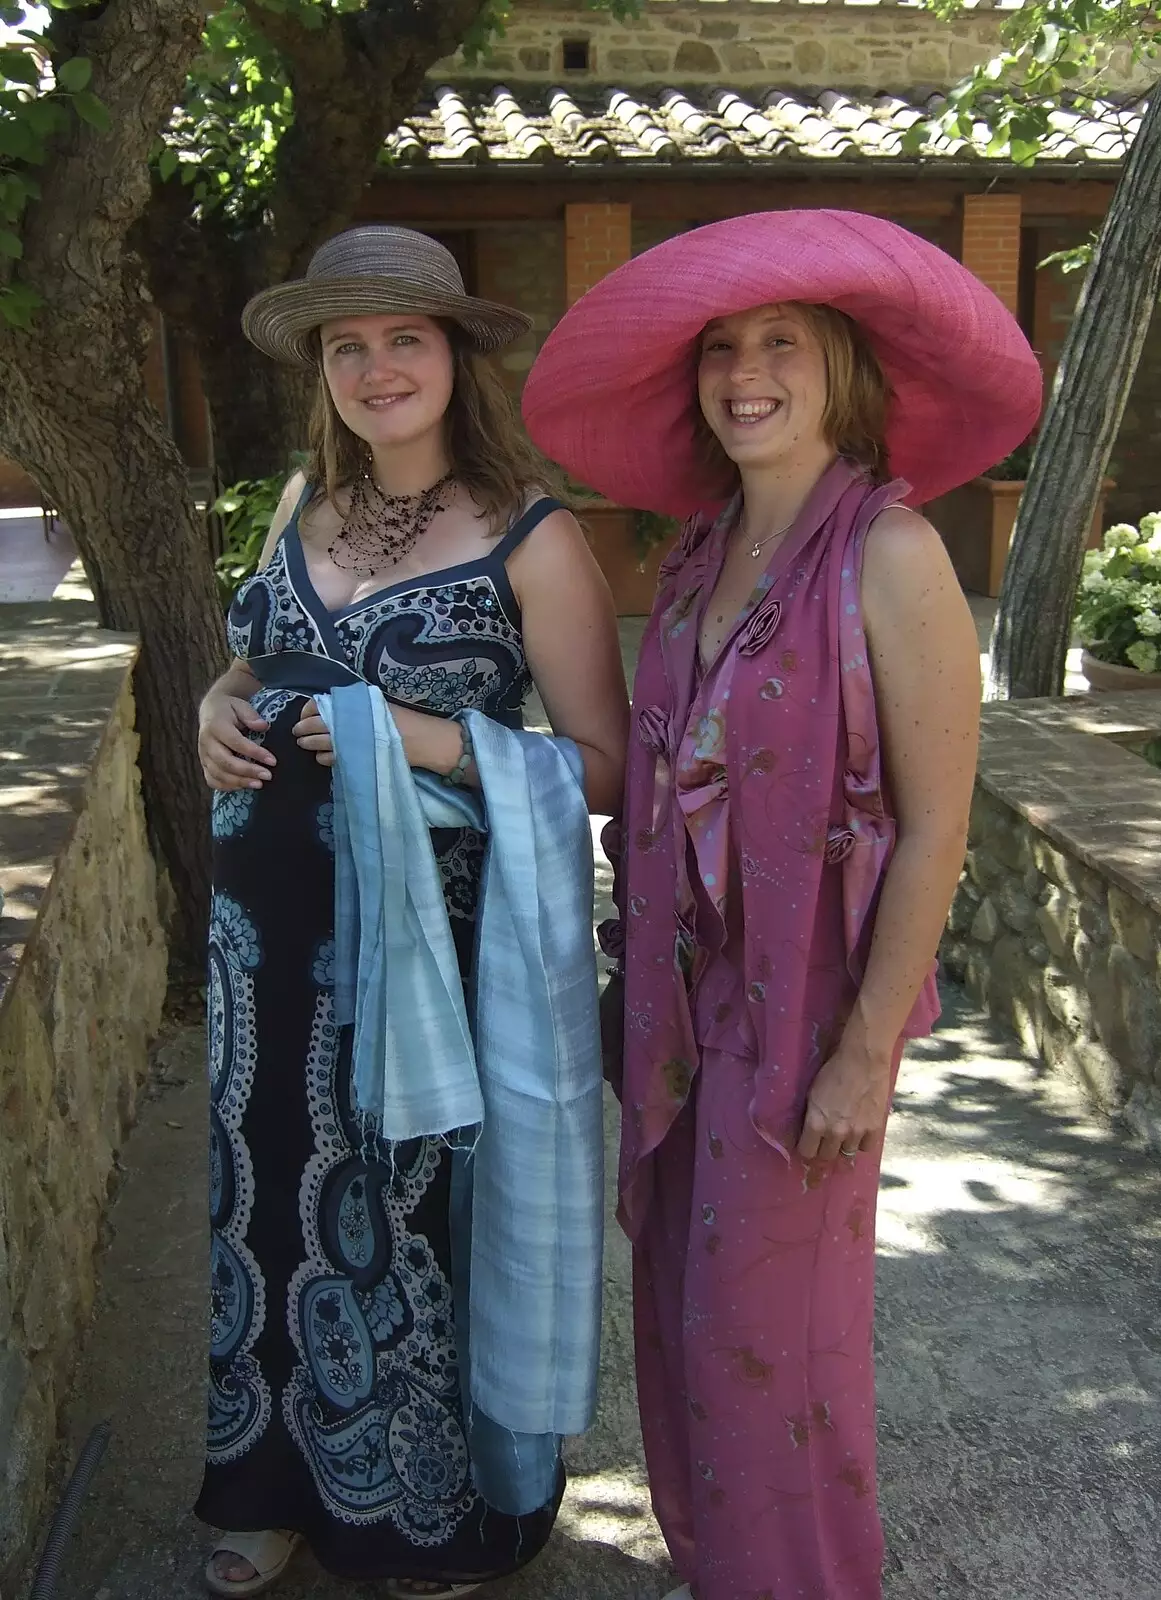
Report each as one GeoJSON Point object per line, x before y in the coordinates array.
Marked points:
{"type": "Point", "coordinates": [300, 506]}
{"type": "Point", "coordinates": [524, 524]}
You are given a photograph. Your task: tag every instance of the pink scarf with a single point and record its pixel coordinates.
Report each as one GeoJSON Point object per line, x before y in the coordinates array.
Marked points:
{"type": "Point", "coordinates": [779, 742]}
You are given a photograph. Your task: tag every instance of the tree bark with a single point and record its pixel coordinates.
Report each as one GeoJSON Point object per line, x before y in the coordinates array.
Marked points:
{"type": "Point", "coordinates": [354, 79]}
{"type": "Point", "coordinates": [74, 412]}
{"type": "Point", "coordinates": [1033, 626]}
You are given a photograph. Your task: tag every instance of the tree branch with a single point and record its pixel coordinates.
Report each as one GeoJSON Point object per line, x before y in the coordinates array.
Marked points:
{"type": "Point", "coordinates": [354, 80]}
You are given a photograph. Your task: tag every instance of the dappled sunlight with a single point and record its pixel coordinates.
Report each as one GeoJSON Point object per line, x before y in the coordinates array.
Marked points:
{"type": "Point", "coordinates": [65, 651]}
{"type": "Point", "coordinates": [613, 1508]}
{"type": "Point", "coordinates": [920, 1186]}
{"type": "Point", "coordinates": [1019, 1366]}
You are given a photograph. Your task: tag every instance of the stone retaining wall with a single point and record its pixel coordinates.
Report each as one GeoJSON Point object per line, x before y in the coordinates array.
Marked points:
{"type": "Point", "coordinates": [1056, 927]}
{"type": "Point", "coordinates": [82, 981]}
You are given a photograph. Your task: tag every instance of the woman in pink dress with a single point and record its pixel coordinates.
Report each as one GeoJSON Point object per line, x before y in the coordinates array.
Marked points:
{"type": "Point", "coordinates": [800, 776]}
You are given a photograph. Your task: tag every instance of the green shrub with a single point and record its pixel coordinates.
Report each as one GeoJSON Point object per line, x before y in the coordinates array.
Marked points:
{"type": "Point", "coordinates": [247, 510]}
{"type": "Point", "coordinates": [1118, 609]}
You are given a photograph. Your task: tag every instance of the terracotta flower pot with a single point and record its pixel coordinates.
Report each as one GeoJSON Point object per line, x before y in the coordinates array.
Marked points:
{"type": "Point", "coordinates": [1109, 676]}
{"type": "Point", "coordinates": [631, 575]}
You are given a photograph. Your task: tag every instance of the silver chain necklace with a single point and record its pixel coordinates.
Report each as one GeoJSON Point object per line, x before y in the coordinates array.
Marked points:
{"type": "Point", "coordinates": [756, 547]}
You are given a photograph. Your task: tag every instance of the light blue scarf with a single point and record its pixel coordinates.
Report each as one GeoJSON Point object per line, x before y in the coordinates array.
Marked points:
{"type": "Point", "coordinates": [517, 1060]}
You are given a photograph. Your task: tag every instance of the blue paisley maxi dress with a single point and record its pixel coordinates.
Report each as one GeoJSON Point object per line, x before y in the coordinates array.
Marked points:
{"type": "Point", "coordinates": [334, 1394]}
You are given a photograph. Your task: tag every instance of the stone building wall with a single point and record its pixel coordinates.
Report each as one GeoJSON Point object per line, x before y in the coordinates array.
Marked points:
{"type": "Point", "coordinates": [522, 264]}
{"type": "Point", "coordinates": [744, 43]}
{"type": "Point", "coordinates": [83, 974]}
{"type": "Point", "coordinates": [1056, 926]}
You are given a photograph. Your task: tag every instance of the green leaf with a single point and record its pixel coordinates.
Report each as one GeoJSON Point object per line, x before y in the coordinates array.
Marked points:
{"type": "Point", "coordinates": [1047, 44]}
{"type": "Point", "coordinates": [19, 142]}
{"type": "Point", "coordinates": [44, 117]}
{"type": "Point", "coordinates": [16, 189]}
{"type": "Point", "coordinates": [18, 303]}
{"type": "Point", "coordinates": [167, 163]}
{"type": "Point", "coordinates": [11, 245]}
{"type": "Point", "coordinates": [20, 66]}
{"type": "Point", "coordinates": [75, 75]}
{"type": "Point", "coordinates": [92, 111]}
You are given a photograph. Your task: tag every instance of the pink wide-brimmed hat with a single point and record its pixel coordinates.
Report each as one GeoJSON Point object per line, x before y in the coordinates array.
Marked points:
{"type": "Point", "coordinates": [611, 394]}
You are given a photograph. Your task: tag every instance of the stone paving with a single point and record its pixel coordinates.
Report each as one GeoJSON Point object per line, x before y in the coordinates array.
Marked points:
{"type": "Point", "coordinates": [1020, 1357]}
{"type": "Point", "coordinates": [33, 558]}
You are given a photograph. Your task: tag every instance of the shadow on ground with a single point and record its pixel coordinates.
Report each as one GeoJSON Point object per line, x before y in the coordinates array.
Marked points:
{"type": "Point", "coordinates": [1020, 1358]}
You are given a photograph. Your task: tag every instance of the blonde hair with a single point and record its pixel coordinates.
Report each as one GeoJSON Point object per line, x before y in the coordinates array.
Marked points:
{"type": "Point", "coordinates": [491, 455]}
{"type": "Point", "coordinates": [858, 396]}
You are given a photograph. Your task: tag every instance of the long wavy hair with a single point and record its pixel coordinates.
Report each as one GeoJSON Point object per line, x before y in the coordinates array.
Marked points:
{"type": "Point", "coordinates": [858, 397]}
{"type": "Point", "coordinates": [491, 455]}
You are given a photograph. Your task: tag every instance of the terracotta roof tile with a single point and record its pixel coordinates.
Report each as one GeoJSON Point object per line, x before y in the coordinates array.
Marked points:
{"type": "Point", "coordinates": [502, 127]}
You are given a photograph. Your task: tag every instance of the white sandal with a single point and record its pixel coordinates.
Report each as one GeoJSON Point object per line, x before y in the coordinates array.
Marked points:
{"type": "Point", "coordinates": [267, 1552]}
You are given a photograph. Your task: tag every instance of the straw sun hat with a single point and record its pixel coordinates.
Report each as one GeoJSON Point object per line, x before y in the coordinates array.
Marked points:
{"type": "Point", "coordinates": [368, 272]}
{"type": "Point", "coordinates": [612, 393]}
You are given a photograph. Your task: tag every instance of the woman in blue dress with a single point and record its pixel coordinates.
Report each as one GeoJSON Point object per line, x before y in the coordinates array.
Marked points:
{"type": "Point", "coordinates": [420, 552]}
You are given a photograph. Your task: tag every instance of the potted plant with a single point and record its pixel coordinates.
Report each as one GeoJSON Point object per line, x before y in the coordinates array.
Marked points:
{"type": "Point", "coordinates": [976, 520]}
{"type": "Point", "coordinates": [629, 547]}
{"type": "Point", "coordinates": [1118, 609]}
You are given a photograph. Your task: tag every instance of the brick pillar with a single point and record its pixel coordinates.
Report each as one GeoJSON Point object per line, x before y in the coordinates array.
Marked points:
{"type": "Point", "coordinates": [991, 243]}
{"type": "Point", "coordinates": [597, 238]}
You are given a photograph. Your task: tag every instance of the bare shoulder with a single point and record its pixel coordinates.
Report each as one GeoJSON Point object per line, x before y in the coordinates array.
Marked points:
{"type": "Point", "coordinates": [556, 550]}
{"type": "Point", "coordinates": [905, 565]}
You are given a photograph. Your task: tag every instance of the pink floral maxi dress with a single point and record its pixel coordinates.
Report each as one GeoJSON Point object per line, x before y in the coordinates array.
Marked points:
{"type": "Point", "coordinates": [752, 850]}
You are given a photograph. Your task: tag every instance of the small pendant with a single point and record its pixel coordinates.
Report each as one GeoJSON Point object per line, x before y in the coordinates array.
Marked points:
{"type": "Point", "coordinates": [756, 551]}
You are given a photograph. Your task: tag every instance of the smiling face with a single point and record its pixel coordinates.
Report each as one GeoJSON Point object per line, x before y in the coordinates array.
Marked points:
{"type": "Point", "coordinates": [390, 377]}
{"type": "Point", "coordinates": [762, 386]}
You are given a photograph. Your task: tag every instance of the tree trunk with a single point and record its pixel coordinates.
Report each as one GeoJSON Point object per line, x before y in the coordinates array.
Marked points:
{"type": "Point", "coordinates": [74, 412]}
{"type": "Point", "coordinates": [260, 411]}
{"type": "Point", "coordinates": [107, 462]}
{"type": "Point", "coordinates": [1034, 622]}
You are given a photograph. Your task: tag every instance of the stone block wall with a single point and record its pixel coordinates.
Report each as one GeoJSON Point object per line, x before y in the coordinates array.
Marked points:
{"type": "Point", "coordinates": [745, 43]}
{"type": "Point", "coordinates": [83, 975]}
{"type": "Point", "coordinates": [522, 264]}
{"type": "Point", "coordinates": [1056, 925]}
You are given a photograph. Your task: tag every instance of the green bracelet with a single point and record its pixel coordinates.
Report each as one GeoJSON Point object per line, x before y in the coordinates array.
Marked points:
{"type": "Point", "coordinates": [459, 773]}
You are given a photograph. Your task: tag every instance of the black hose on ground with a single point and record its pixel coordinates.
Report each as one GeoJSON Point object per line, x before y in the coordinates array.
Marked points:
{"type": "Point", "coordinates": [68, 1513]}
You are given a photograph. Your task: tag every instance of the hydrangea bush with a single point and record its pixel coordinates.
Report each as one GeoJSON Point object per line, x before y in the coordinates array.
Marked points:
{"type": "Point", "coordinates": [1118, 611]}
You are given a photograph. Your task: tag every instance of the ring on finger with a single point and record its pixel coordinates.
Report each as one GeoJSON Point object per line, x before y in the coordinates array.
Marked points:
{"type": "Point", "coordinates": [850, 1154]}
